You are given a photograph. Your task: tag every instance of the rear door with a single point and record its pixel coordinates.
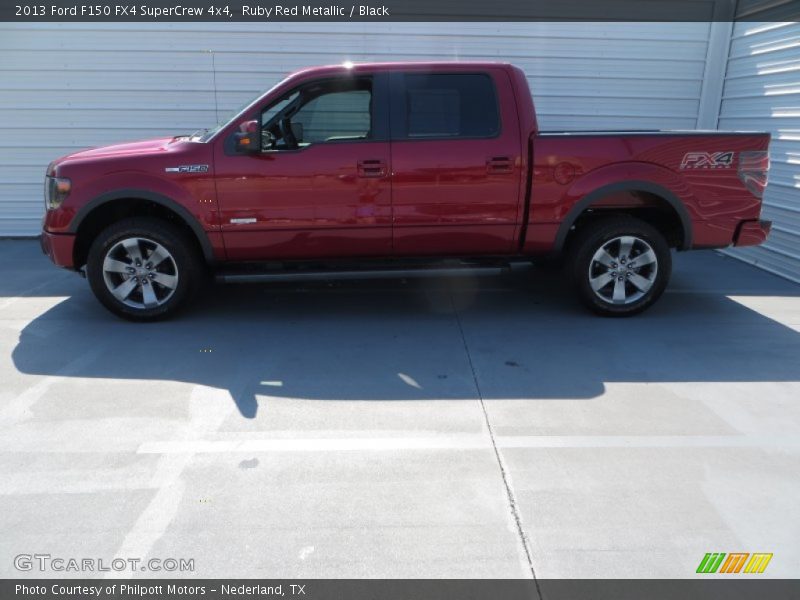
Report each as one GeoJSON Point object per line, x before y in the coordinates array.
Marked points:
{"type": "Point", "coordinates": [456, 163]}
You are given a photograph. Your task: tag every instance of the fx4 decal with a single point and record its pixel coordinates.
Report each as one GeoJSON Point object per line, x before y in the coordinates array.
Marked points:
{"type": "Point", "coordinates": [188, 169]}
{"type": "Point", "coordinates": [705, 160]}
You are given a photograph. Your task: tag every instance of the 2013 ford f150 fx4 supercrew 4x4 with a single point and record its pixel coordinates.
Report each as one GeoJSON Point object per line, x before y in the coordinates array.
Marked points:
{"type": "Point", "coordinates": [395, 169]}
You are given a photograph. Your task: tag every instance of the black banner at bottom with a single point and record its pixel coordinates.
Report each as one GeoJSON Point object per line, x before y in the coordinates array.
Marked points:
{"type": "Point", "coordinates": [400, 589]}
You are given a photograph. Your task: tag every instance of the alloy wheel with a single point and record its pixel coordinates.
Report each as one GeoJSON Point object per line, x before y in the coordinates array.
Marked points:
{"type": "Point", "coordinates": [140, 273]}
{"type": "Point", "coordinates": [623, 270]}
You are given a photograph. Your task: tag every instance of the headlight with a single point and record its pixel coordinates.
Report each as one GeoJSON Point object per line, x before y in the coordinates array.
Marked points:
{"type": "Point", "coordinates": [56, 190]}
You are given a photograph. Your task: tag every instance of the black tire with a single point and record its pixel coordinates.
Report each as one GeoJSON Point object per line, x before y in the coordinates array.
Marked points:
{"type": "Point", "coordinates": [587, 265]}
{"type": "Point", "coordinates": [182, 269]}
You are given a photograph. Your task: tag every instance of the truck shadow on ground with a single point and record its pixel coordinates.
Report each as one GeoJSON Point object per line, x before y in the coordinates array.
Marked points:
{"type": "Point", "coordinates": [517, 336]}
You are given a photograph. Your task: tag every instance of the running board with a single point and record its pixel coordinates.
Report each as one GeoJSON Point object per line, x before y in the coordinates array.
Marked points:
{"type": "Point", "coordinates": [331, 275]}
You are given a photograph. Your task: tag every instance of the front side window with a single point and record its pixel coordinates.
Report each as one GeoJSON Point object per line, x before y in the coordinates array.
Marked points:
{"type": "Point", "coordinates": [450, 106]}
{"type": "Point", "coordinates": [277, 107]}
{"type": "Point", "coordinates": [320, 112]}
{"type": "Point", "coordinates": [335, 116]}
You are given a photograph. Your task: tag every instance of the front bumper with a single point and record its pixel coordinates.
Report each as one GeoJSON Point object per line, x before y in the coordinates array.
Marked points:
{"type": "Point", "coordinates": [752, 233]}
{"type": "Point", "coordinates": [59, 246]}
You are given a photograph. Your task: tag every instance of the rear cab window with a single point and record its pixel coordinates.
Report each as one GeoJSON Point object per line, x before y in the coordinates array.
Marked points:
{"type": "Point", "coordinates": [445, 106]}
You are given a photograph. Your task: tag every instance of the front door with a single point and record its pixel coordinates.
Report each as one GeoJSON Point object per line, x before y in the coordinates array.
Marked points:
{"type": "Point", "coordinates": [321, 186]}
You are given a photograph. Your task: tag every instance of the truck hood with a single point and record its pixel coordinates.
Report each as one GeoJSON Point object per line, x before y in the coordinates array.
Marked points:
{"type": "Point", "coordinates": [144, 147]}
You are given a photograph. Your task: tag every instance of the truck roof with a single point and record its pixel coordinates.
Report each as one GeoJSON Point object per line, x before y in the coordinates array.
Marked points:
{"type": "Point", "coordinates": [397, 66]}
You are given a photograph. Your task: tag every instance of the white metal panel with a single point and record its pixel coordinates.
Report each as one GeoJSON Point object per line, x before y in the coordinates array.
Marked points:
{"type": "Point", "coordinates": [68, 86]}
{"type": "Point", "coordinates": [762, 92]}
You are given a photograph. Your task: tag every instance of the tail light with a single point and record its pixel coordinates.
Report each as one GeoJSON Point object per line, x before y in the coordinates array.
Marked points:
{"type": "Point", "coordinates": [754, 171]}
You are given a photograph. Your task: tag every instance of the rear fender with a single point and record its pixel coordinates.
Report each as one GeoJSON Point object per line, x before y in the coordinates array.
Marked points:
{"type": "Point", "coordinates": [621, 177]}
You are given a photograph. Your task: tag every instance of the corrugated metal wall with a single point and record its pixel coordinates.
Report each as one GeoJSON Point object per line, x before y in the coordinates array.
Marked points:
{"type": "Point", "coordinates": [762, 92]}
{"type": "Point", "coordinates": [67, 86]}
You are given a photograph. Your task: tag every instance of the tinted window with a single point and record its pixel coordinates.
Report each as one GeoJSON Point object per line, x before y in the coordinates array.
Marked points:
{"type": "Point", "coordinates": [451, 105]}
{"type": "Point", "coordinates": [277, 107]}
{"type": "Point", "coordinates": [319, 112]}
{"type": "Point", "coordinates": [335, 115]}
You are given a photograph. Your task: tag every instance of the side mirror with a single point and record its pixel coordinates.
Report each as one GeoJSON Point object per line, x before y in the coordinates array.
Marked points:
{"type": "Point", "coordinates": [248, 138]}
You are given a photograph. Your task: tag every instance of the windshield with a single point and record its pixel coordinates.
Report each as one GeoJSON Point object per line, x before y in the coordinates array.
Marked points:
{"type": "Point", "coordinates": [203, 135]}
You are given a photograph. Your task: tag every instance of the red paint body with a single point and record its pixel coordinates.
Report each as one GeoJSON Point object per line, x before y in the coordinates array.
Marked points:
{"type": "Point", "coordinates": [427, 197]}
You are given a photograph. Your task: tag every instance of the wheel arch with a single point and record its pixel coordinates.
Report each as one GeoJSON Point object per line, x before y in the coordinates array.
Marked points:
{"type": "Point", "coordinates": [104, 209]}
{"type": "Point", "coordinates": [628, 186]}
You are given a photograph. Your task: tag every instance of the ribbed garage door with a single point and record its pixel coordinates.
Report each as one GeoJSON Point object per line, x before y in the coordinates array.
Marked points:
{"type": "Point", "coordinates": [762, 92]}
{"type": "Point", "coordinates": [70, 86]}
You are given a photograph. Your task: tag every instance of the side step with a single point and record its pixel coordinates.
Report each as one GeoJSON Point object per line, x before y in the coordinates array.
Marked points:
{"type": "Point", "coordinates": [363, 274]}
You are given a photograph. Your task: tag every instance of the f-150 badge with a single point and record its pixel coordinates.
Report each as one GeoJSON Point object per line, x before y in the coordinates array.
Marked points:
{"type": "Point", "coordinates": [705, 160]}
{"type": "Point", "coordinates": [188, 169]}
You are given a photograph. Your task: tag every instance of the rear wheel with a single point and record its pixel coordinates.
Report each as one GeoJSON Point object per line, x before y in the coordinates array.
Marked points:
{"type": "Point", "coordinates": [142, 268]}
{"type": "Point", "coordinates": [620, 266]}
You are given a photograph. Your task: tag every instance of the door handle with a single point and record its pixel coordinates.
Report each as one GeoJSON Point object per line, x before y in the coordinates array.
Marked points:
{"type": "Point", "coordinates": [372, 168]}
{"type": "Point", "coordinates": [499, 164]}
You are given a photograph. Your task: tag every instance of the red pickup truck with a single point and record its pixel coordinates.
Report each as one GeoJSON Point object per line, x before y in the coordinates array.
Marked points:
{"type": "Point", "coordinates": [398, 169]}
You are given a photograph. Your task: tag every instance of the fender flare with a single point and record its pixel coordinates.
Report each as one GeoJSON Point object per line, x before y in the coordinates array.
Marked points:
{"type": "Point", "coordinates": [625, 186]}
{"type": "Point", "coordinates": [166, 202]}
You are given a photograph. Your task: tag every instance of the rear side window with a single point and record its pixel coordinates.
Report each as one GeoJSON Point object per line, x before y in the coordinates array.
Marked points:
{"type": "Point", "coordinates": [450, 106]}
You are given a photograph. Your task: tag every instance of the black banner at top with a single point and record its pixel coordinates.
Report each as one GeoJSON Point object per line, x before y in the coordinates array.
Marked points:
{"type": "Point", "coordinates": [397, 10]}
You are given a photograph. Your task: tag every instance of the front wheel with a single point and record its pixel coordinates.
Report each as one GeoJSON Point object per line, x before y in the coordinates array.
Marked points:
{"type": "Point", "coordinates": [142, 269]}
{"type": "Point", "coordinates": [620, 266]}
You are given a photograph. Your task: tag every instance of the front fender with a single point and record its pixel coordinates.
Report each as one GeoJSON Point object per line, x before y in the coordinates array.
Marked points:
{"type": "Point", "coordinates": [196, 195]}
{"type": "Point", "coordinates": [165, 201]}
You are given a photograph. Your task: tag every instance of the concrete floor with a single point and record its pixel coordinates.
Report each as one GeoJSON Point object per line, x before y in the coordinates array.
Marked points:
{"type": "Point", "coordinates": [471, 428]}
